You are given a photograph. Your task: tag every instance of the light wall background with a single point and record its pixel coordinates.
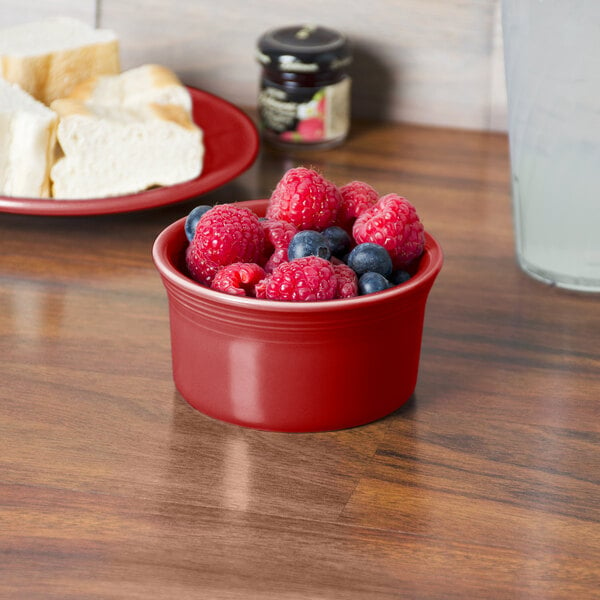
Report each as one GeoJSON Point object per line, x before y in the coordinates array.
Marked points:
{"type": "Point", "coordinates": [436, 62]}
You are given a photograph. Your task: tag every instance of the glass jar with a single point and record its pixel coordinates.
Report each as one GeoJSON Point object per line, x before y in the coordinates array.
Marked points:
{"type": "Point", "coordinates": [304, 98]}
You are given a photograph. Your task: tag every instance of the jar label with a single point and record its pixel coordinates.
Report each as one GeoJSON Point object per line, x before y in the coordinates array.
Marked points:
{"type": "Point", "coordinates": [306, 115]}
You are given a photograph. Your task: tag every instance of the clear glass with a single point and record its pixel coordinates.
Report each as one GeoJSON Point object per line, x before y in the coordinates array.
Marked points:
{"type": "Point", "coordinates": [552, 58]}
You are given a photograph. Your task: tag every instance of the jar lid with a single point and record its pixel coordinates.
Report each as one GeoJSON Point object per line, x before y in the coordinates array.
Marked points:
{"type": "Point", "coordinates": [304, 49]}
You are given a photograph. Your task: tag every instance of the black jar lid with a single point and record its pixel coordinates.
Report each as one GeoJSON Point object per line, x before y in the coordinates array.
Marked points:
{"type": "Point", "coordinates": [304, 49]}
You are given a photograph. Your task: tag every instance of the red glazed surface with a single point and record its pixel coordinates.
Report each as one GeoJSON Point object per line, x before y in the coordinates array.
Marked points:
{"type": "Point", "coordinates": [286, 366]}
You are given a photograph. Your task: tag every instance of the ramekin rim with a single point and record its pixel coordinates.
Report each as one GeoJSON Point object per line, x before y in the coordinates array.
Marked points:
{"type": "Point", "coordinates": [167, 270]}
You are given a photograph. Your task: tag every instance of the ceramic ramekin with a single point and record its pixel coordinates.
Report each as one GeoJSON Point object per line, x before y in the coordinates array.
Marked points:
{"type": "Point", "coordinates": [288, 366]}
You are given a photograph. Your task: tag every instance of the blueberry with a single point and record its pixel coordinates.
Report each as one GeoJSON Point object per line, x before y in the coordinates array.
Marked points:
{"type": "Point", "coordinates": [398, 277]}
{"type": "Point", "coordinates": [309, 243]}
{"type": "Point", "coordinates": [338, 240]}
{"type": "Point", "coordinates": [370, 257]}
{"type": "Point", "coordinates": [192, 219]}
{"type": "Point", "coordinates": [371, 282]}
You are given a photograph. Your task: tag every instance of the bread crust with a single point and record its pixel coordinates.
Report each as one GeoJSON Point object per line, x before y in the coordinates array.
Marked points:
{"type": "Point", "coordinates": [54, 75]}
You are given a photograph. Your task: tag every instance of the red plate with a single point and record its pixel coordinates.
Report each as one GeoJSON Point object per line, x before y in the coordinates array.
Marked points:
{"type": "Point", "coordinates": [231, 145]}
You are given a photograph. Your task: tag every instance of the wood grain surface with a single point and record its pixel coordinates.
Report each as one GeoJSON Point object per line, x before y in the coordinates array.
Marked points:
{"type": "Point", "coordinates": [485, 485]}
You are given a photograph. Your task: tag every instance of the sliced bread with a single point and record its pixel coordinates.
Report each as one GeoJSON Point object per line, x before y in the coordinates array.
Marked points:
{"type": "Point", "coordinates": [110, 151]}
{"type": "Point", "coordinates": [48, 58]}
{"type": "Point", "coordinates": [135, 87]}
{"type": "Point", "coordinates": [27, 141]}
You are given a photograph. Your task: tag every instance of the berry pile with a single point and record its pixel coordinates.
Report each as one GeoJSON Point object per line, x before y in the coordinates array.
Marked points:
{"type": "Point", "coordinates": [317, 242]}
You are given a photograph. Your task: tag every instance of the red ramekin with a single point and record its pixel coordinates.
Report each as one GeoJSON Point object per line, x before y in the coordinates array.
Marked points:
{"type": "Point", "coordinates": [293, 366]}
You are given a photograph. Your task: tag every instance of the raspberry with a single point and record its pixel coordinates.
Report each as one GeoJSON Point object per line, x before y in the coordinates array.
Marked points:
{"type": "Point", "coordinates": [394, 224]}
{"type": "Point", "coordinates": [238, 279]}
{"type": "Point", "coordinates": [306, 199]}
{"type": "Point", "coordinates": [347, 281]}
{"type": "Point", "coordinates": [357, 196]}
{"type": "Point", "coordinates": [278, 235]}
{"type": "Point", "coordinates": [278, 257]}
{"type": "Point", "coordinates": [302, 280]}
{"type": "Point", "coordinates": [225, 234]}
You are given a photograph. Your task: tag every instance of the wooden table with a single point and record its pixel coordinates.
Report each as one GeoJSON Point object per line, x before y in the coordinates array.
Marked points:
{"type": "Point", "coordinates": [486, 485]}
